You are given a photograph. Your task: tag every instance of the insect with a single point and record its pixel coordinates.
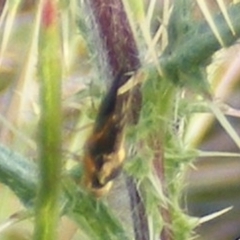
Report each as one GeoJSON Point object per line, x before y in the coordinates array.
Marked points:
{"type": "Point", "coordinates": [104, 151]}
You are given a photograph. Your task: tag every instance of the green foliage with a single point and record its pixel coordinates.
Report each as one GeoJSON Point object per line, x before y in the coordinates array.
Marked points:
{"type": "Point", "coordinates": [161, 156]}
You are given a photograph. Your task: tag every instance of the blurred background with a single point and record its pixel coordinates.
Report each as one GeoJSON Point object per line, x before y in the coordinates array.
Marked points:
{"type": "Point", "coordinates": [212, 184]}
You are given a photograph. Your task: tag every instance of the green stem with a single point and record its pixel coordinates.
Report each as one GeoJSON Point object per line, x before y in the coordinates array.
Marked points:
{"type": "Point", "coordinates": [197, 45]}
{"type": "Point", "coordinates": [47, 204]}
{"type": "Point", "coordinates": [92, 215]}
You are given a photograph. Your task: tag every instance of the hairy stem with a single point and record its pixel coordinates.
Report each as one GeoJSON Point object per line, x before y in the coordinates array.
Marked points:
{"type": "Point", "coordinates": [119, 48]}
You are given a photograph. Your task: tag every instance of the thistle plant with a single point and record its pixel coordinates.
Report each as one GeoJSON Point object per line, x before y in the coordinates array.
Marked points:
{"type": "Point", "coordinates": [73, 51]}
